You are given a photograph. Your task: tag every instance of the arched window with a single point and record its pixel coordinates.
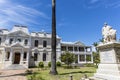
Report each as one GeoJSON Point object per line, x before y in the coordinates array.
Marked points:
{"type": "Point", "coordinates": [44, 56]}
{"type": "Point", "coordinates": [35, 56]}
{"type": "Point", "coordinates": [0, 40]}
{"type": "Point", "coordinates": [26, 42]}
{"type": "Point", "coordinates": [7, 55]}
{"type": "Point", "coordinates": [11, 41]}
{"type": "Point", "coordinates": [36, 43]}
{"type": "Point", "coordinates": [25, 56]}
{"type": "Point", "coordinates": [19, 40]}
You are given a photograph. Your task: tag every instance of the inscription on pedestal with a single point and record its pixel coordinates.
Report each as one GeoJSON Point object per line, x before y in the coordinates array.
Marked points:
{"type": "Point", "coordinates": [107, 57]}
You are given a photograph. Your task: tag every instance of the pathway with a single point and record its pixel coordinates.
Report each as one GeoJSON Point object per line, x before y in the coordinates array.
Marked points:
{"type": "Point", "coordinates": [12, 75]}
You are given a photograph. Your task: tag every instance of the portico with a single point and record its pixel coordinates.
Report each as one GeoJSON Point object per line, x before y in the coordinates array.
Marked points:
{"type": "Point", "coordinates": [17, 54]}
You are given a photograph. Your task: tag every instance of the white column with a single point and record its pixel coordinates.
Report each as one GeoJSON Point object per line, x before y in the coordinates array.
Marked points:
{"type": "Point", "coordinates": [85, 58]}
{"type": "Point", "coordinates": [4, 58]}
{"type": "Point", "coordinates": [27, 58]}
{"type": "Point", "coordinates": [29, 41]}
{"type": "Point", "coordinates": [27, 55]}
{"type": "Point", "coordinates": [11, 55]}
{"type": "Point", "coordinates": [91, 58]}
{"type": "Point", "coordinates": [78, 48]}
{"type": "Point", "coordinates": [78, 58]}
{"type": "Point", "coordinates": [90, 49]}
{"type": "Point", "coordinates": [66, 48]}
{"type": "Point", "coordinates": [21, 58]}
{"type": "Point", "coordinates": [73, 49]}
{"type": "Point", "coordinates": [85, 49]}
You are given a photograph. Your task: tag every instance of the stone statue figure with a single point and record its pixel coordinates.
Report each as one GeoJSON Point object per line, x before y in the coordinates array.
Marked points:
{"type": "Point", "coordinates": [109, 34]}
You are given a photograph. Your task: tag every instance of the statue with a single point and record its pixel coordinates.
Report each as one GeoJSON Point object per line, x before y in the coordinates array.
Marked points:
{"type": "Point", "coordinates": [109, 34]}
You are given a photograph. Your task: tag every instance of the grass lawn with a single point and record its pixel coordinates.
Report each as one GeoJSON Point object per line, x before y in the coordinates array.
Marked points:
{"type": "Point", "coordinates": [63, 74]}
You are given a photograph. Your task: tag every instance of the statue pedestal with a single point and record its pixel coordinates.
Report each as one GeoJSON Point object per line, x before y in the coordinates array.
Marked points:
{"type": "Point", "coordinates": [109, 67]}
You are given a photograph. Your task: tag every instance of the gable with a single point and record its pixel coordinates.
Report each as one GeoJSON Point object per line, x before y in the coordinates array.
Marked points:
{"type": "Point", "coordinates": [18, 33]}
{"type": "Point", "coordinates": [17, 44]}
{"type": "Point", "coordinates": [80, 43]}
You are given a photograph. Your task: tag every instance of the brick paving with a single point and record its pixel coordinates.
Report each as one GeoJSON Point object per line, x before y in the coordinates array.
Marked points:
{"type": "Point", "coordinates": [12, 75]}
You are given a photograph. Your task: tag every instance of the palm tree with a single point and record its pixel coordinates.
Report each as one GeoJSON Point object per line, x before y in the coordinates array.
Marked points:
{"type": "Point", "coordinates": [101, 40]}
{"type": "Point", "coordinates": [95, 44]}
{"type": "Point", "coordinates": [53, 70]}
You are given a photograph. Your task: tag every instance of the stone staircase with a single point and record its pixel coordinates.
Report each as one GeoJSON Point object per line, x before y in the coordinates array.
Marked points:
{"type": "Point", "coordinates": [94, 78]}
{"type": "Point", "coordinates": [15, 67]}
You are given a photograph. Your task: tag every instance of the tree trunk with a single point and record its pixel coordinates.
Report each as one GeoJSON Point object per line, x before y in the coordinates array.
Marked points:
{"type": "Point", "coordinates": [53, 70]}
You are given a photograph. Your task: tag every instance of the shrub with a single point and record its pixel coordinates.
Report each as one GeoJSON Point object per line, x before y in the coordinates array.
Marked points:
{"type": "Point", "coordinates": [28, 71]}
{"type": "Point", "coordinates": [41, 65]}
{"type": "Point", "coordinates": [35, 77]}
{"type": "Point", "coordinates": [68, 58]}
{"type": "Point", "coordinates": [58, 63]}
{"type": "Point", "coordinates": [49, 64]}
{"type": "Point", "coordinates": [89, 65]}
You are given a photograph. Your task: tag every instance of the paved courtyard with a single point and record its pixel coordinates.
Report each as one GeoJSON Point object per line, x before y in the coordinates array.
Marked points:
{"type": "Point", "coordinates": [12, 75]}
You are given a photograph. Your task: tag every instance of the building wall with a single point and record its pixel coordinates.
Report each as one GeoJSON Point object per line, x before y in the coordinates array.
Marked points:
{"type": "Point", "coordinates": [22, 33]}
{"type": "Point", "coordinates": [82, 52]}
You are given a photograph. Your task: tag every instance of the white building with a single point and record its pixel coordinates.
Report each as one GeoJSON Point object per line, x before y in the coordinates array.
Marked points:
{"type": "Point", "coordinates": [83, 54]}
{"type": "Point", "coordinates": [21, 49]}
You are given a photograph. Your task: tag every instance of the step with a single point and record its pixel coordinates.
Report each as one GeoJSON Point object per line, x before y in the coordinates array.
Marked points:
{"type": "Point", "coordinates": [15, 67]}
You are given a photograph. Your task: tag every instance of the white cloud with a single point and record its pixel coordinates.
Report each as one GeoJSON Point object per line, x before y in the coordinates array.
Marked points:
{"type": "Point", "coordinates": [115, 4]}
{"type": "Point", "coordinates": [18, 14]}
{"type": "Point", "coordinates": [2, 1]}
{"type": "Point", "coordinates": [102, 3]}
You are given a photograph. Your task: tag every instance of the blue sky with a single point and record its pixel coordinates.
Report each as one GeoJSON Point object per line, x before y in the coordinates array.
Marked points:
{"type": "Point", "coordinates": [77, 20]}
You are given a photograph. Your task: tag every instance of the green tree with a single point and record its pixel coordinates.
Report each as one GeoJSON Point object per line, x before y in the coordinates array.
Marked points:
{"type": "Point", "coordinates": [95, 44]}
{"type": "Point", "coordinates": [101, 40]}
{"type": "Point", "coordinates": [88, 58]}
{"type": "Point", "coordinates": [96, 58]}
{"type": "Point", "coordinates": [53, 69]}
{"type": "Point", "coordinates": [68, 58]}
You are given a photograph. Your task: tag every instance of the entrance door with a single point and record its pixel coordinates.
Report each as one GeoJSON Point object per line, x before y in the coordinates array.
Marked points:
{"type": "Point", "coordinates": [17, 58]}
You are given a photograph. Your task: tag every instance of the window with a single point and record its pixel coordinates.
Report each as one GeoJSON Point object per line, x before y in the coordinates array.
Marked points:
{"type": "Point", "coordinates": [44, 56]}
{"type": "Point", "coordinates": [7, 55]}
{"type": "Point", "coordinates": [19, 40]}
{"type": "Point", "coordinates": [25, 56]}
{"type": "Point", "coordinates": [26, 42]}
{"type": "Point", "coordinates": [0, 40]}
{"type": "Point", "coordinates": [88, 57]}
{"type": "Point", "coordinates": [81, 48]}
{"type": "Point", "coordinates": [70, 48]}
{"type": "Point", "coordinates": [44, 43]}
{"type": "Point", "coordinates": [11, 40]}
{"type": "Point", "coordinates": [63, 48]}
{"type": "Point", "coordinates": [75, 48]}
{"type": "Point", "coordinates": [36, 43]}
{"type": "Point", "coordinates": [35, 56]}
{"type": "Point", "coordinates": [81, 58]}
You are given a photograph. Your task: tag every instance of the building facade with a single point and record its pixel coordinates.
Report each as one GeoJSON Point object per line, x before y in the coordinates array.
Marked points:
{"type": "Point", "coordinates": [19, 47]}
{"type": "Point", "coordinates": [83, 53]}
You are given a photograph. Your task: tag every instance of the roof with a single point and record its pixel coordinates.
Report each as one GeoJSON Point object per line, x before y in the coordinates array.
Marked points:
{"type": "Point", "coordinates": [20, 28]}
{"type": "Point", "coordinates": [42, 34]}
{"type": "Point", "coordinates": [4, 31]}
{"type": "Point", "coordinates": [73, 43]}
